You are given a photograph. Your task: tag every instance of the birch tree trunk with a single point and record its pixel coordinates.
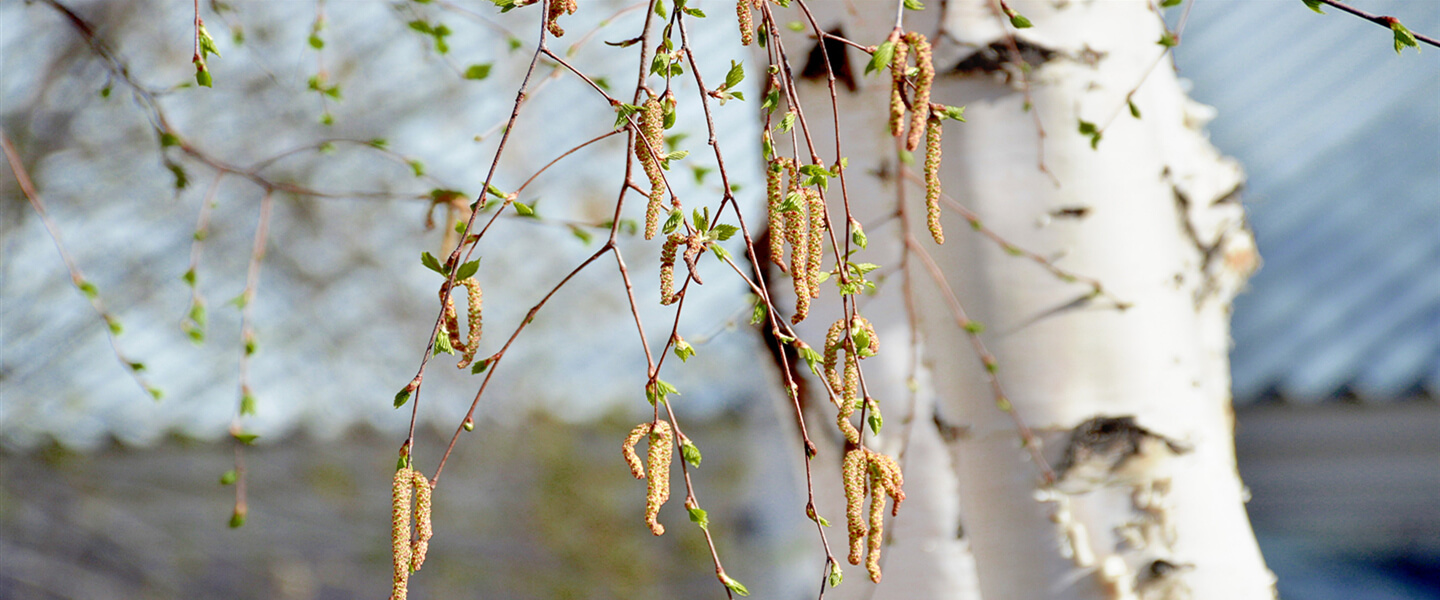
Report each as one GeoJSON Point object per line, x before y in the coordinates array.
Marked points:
{"type": "Point", "coordinates": [1132, 404]}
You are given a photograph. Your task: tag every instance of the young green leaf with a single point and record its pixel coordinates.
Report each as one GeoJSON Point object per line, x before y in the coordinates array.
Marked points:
{"type": "Point", "coordinates": [432, 263]}
{"type": "Point", "coordinates": [1089, 129]}
{"type": "Point", "coordinates": [468, 270]}
{"type": "Point", "coordinates": [730, 582]}
{"type": "Point", "coordinates": [478, 72]}
{"type": "Point", "coordinates": [673, 222]}
{"type": "Point", "coordinates": [880, 60]}
{"type": "Point", "coordinates": [229, 477]}
{"type": "Point", "coordinates": [683, 349]}
{"type": "Point", "coordinates": [523, 209]}
{"type": "Point", "coordinates": [723, 231]}
{"type": "Point", "coordinates": [1314, 5]}
{"type": "Point", "coordinates": [736, 74]}
{"type": "Point", "coordinates": [836, 575]}
{"type": "Point", "coordinates": [812, 358]}
{"type": "Point", "coordinates": [787, 122]}
{"type": "Point", "coordinates": [1403, 37]}
{"type": "Point", "coordinates": [699, 517]}
{"type": "Point", "coordinates": [690, 452]}
{"type": "Point", "coordinates": [442, 341]}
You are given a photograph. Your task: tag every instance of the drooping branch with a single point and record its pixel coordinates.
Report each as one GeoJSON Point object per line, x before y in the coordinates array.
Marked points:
{"type": "Point", "coordinates": [1387, 22]}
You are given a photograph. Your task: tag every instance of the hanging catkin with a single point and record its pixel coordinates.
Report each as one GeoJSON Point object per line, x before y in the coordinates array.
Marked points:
{"type": "Point", "coordinates": [648, 146]}
{"type": "Point", "coordinates": [932, 179]}
{"type": "Point", "coordinates": [924, 78]}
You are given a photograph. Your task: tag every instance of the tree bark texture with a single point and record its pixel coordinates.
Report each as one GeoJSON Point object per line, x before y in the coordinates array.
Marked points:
{"type": "Point", "coordinates": [1131, 404]}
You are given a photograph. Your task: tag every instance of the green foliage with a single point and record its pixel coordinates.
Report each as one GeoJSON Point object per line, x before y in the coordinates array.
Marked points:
{"type": "Point", "coordinates": [478, 72]}
{"type": "Point", "coordinates": [1403, 37]}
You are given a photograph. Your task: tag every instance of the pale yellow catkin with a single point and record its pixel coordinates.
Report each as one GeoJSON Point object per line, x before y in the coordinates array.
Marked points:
{"type": "Point", "coordinates": [853, 476]}
{"type": "Point", "coordinates": [774, 197]}
{"type": "Point", "coordinates": [658, 463]}
{"type": "Point", "coordinates": [424, 529]}
{"type": "Point", "coordinates": [923, 81]}
{"type": "Point", "coordinates": [893, 479]}
{"type": "Point", "coordinates": [667, 269]}
{"type": "Point", "coordinates": [747, 23]}
{"type": "Point", "coordinates": [833, 342]}
{"type": "Point", "coordinates": [557, 8]}
{"type": "Point", "coordinates": [400, 532]}
{"type": "Point", "coordinates": [797, 229]}
{"type": "Point", "coordinates": [474, 322]}
{"type": "Point", "coordinates": [628, 448]}
{"type": "Point", "coordinates": [877, 531]}
{"type": "Point", "coordinates": [648, 146]}
{"type": "Point", "coordinates": [819, 220]}
{"type": "Point", "coordinates": [897, 86]}
{"type": "Point", "coordinates": [932, 179]}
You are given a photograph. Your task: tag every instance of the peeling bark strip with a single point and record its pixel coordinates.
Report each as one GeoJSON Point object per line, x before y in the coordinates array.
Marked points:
{"type": "Point", "coordinates": [998, 58]}
{"type": "Point", "coordinates": [1112, 451]}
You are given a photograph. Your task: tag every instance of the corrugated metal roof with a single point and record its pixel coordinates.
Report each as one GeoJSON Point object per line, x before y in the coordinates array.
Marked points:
{"type": "Point", "coordinates": [1341, 141]}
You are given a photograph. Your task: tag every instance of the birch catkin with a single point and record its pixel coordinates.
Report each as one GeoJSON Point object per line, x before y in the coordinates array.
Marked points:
{"type": "Point", "coordinates": [897, 86]}
{"type": "Point", "coordinates": [923, 80]}
{"type": "Point", "coordinates": [408, 556]}
{"type": "Point", "coordinates": [853, 475]}
{"type": "Point", "coordinates": [797, 230]}
{"type": "Point", "coordinates": [747, 23]}
{"type": "Point", "coordinates": [816, 251]}
{"type": "Point", "coordinates": [400, 532]}
{"type": "Point", "coordinates": [877, 529]}
{"type": "Point", "coordinates": [774, 197]}
{"type": "Point", "coordinates": [932, 179]}
{"type": "Point", "coordinates": [423, 527]}
{"type": "Point", "coordinates": [658, 462]}
{"type": "Point", "coordinates": [667, 269]}
{"type": "Point", "coordinates": [648, 146]}
{"type": "Point", "coordinates": [557, 8]}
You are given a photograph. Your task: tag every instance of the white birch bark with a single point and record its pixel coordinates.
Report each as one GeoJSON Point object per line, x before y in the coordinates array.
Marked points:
{"type": "Point", "coordinates": [1160, 229]}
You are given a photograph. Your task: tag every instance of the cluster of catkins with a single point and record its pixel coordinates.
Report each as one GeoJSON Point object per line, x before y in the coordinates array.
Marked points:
{"type": "Point", "coordinates": [649, 149]}
{"type": "Point", "coordinates": [449, 338]}
{"type": "Point", "coordinates": [861, 342]}
{"type": "Point", "coordinates": [658, 463]}
{"type": "Point", "coordinates": [923, 118]}
{"type": "Point", "coordinates": [863, 469]}
{"type": "Point", "coordinates": [694, 244]}
{"type": "Point", "coordinates": [798, 218]}
{"type": "Point", "coordinates": [408, 555]}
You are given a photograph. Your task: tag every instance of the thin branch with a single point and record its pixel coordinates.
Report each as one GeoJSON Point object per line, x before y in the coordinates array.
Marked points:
{"type": "Point", "coordinates": [112, 324]}
{"type": "Point", "coordinates": [1383, 21]}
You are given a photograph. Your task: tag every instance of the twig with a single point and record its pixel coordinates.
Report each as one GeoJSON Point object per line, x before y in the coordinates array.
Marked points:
{"type": "Point", "coordinates": [112, 324]}
{"type": "Point", "coordinates": [1380, 20]}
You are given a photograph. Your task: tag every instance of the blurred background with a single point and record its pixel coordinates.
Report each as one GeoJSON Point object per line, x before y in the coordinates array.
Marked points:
{"type": "Point", "coordinates": [106, 493]}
